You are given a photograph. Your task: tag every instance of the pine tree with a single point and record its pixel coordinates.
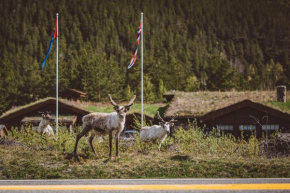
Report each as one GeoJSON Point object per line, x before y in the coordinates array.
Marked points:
{"type": "Point", "coordinates": [161, 90]}
{"type": "Point", "coordinates": [192, 84]}
{"type": "Point", "coordinates": [149, 95]}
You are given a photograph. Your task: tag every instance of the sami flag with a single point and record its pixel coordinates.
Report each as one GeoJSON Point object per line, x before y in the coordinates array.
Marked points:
{"type": "Point", "coordinates": [53, 36]}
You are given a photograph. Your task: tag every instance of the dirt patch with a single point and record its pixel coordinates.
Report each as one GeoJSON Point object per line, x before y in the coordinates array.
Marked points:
{"type": "Point", "coordinates": [5, 141]}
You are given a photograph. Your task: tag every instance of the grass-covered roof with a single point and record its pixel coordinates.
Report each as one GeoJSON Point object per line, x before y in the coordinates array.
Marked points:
{"type": "Point", "coordinates": [199, 103]}
{"type": "Point", "coordinates": [149, 110]}
{"type": "Point", "coordinates": [183, 104]}
{"type": "Point", "coordinates": [24, 110]}
{"type": "Point", "coordinates": [19, 108]}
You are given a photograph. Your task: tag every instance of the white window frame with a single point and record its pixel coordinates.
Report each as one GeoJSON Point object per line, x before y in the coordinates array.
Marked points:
{"type": "Point", "coordinates": [225, 127]}
{"type": "Point", "coordinates": [248, 127]}
{"type": "Point", "coordinates": [270, 127]}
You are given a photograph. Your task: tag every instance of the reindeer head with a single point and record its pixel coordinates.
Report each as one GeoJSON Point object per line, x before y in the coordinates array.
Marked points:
{"type": "Point", "coordinates": [121, 110]}
{"type": "Point", "coordinates": [165, 125]}
{"type": "Point", "coordinates": [46, 116]}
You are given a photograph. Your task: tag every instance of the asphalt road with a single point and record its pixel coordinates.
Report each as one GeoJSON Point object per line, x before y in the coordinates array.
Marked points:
{"type": "Point", "coordinates": [148, 185]}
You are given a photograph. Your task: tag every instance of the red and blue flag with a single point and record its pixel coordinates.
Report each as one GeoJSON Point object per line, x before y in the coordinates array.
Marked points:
{"type": "Point", "coordinates": [53, 36]}
{"type": "Point", "coordinates": [133, 60]}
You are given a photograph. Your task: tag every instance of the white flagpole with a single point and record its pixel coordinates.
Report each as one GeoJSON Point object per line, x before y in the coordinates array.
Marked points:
{"type": "Point", "coordinates": [56, 126]}
{"type": "Point", "coordinates": [142, 69]}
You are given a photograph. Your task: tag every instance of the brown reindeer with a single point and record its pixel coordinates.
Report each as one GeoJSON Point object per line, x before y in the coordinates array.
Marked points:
{"type": "Point", "coordinates": [105, 123]}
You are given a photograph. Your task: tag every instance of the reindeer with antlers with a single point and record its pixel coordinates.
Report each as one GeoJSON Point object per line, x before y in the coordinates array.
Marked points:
{"type": "Point", "coordinates": [105, 123]}
{"type": "Point", "coordinates": [44, 127]}
{"type": "Point", "coordinates": [157, 132]}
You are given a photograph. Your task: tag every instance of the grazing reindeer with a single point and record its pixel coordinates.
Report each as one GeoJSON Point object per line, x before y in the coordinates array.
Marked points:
{"type": "Point", "coordinates": [44, 127]}
{"type": "Point", "coordinates": [157, 132]}
{"type": "Point", "coordinates": [105, 123]}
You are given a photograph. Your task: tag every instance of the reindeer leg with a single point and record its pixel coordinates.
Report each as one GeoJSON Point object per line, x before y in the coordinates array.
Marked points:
{"type": "Point", "coordinates": [91, 143]}
{"type": "Point", "coordinates": [110, 143]}
{"type": "Point", "coordinates": [117, 144]}
{"type": "Point", "coordinates": [159, 146]}
{"type": "Point", "coordinates": [159, 142]}
{"type": "Point", "coordinates": [79, 136]}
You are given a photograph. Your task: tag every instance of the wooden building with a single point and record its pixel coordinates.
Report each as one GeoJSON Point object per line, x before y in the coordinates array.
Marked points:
{"type": "Point", "coordinates": [72, 94]}
{"type": "Point", "coordinates": [29, 114]}
{"type": "Point", "coordinates": [69, 115]}
{"type": "Point", "coordinates": [169, 96]}
{"type": "Point", "coordinates": [247, 117]}
{"type": "Point", "coordinates": [230, 112]}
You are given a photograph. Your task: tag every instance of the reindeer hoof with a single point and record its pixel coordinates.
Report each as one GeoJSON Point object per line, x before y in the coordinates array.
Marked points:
{"type": "Point", "coordinates": [71, 155]}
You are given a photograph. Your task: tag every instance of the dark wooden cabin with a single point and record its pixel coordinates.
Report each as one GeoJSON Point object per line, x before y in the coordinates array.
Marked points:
{"type": "Point", "coordinates": [168, 96]}
{"type": "Point", "coordinates": [238, 113]}
{"type": "Point", "coordinates": [247, 117]}
{"type": "Point", "coordinates": [72, 94]}
{"type": "Point", "coordinates": [69, 115]}
{"type": "Point", "coordinates": [29, 115]}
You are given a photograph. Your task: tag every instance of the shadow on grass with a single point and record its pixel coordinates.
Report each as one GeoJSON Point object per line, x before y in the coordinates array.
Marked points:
{"type": "Point", "coordinates": [180, 157]}
{"type": "Point", "coordinates": [162, 110]}
{"type": "Point", "coordinates": [76, 157]}
{"type": "Point", "coordinates": [107, 160]}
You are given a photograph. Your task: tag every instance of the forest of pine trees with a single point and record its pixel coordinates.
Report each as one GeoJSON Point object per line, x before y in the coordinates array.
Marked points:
{"type": "Point", "coordinates": [189, 45]}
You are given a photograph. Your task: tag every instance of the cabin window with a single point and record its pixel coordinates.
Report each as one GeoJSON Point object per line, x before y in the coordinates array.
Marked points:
{"type": "Point", "coordinates": [247, 127]}
{"type": "Point", "coordinates": [225, 127]}
{"type": "Point", "coordinates": [270, 127]}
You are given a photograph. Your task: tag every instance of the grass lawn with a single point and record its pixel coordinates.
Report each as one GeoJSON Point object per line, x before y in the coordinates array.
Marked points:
{"type": "Point", "coordinates": [21, 163]}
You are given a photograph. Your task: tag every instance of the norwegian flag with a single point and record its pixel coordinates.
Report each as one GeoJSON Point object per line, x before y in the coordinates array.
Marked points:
{"type": "Point", "coordinates": [53, 36]}
{"type": "Point", "coordinates": [132, 62]}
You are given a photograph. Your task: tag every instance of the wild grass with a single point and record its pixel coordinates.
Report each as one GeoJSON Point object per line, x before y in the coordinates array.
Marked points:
{"type": "Point", "coordinates": [285, 107]}
{"type": "Point", "coordinates": [27, 155]}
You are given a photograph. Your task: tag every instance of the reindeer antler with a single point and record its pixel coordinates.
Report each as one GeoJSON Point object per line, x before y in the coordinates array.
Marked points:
{"type": "Point", "coordinates": [159, 117]}
{"type": "Point", "coordinates": [172, 120]}
{"type": "Point", "coordinates": [131, 101]}
{"type": "Point", "coordinates": [112, 102]}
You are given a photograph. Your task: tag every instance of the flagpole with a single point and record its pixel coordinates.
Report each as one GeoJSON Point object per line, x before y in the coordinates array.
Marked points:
{"type": "Point", "coordinates": [142, 32]}
{"type": "Point", "coordinates": [56, 126]}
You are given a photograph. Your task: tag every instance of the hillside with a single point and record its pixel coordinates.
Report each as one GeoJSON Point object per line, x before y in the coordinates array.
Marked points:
{"type": "Point", "coordinates": [189, 46]}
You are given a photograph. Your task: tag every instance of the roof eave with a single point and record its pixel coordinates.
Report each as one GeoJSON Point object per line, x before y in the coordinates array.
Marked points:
{"type": "Point", "coordinates": [223, 111]}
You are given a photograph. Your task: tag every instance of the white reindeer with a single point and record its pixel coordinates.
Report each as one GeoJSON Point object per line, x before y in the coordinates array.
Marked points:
{"type": "Point", "coordinates": [157, 132]}
{"type": "Point", "coordinates": [44, 127]}
{"type": "Point", "coordinates": [105, 123]}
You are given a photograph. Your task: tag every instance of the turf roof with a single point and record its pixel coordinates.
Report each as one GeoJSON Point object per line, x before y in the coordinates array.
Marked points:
{"type": "Point", "coordinates": [69, 103]}
{"type": "Point", "coordinates": [199, 103]}
{"type": "Point", "coordinates": [23, 109]}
